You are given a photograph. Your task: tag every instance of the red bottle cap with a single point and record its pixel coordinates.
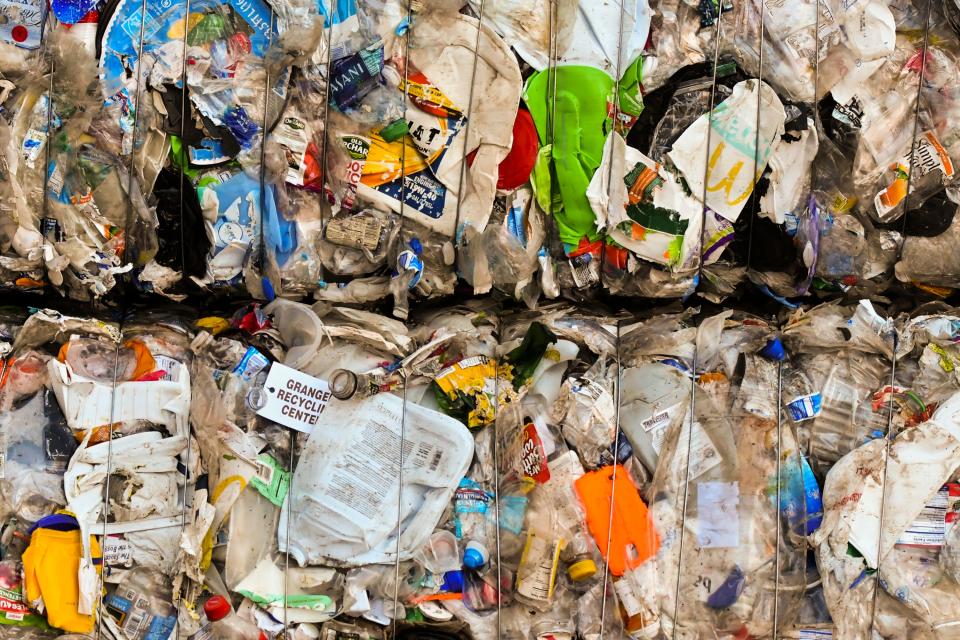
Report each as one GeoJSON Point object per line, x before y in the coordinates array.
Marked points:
{"type": "Point", "coordinates": [216, 608]}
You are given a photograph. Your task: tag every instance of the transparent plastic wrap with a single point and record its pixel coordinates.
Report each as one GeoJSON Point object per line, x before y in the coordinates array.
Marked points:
{"type": "Point", "coordinates": [736, 556]}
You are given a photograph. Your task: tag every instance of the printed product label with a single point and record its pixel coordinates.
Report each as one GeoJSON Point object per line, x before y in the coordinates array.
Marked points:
{"type": "Point", "coordinates": [360, 231]}
{"type": "Point", "coordinates": [117, 552]}
{"type": "Point", "coordinates": [404, 169]}
{"type": "Point", "coordinates": [930, 526]}
{"type": "Point", "coordinates": [928, 155]}
{"type": "Point", "coordinates": [805, 407]}
{"type": "Point", "coordinates": [718, 517]}
{"type": "Point", "coordinates": [537, 572]}
{"type": "Point", "coordinates": [21, 22]}
{"type": "Point", "coordinates": [252, 363]}
{"type": "Point", "coordinates": [533, 460]}
{"type": "Point", "coordinates": [627, 598]}
{"type": "Point", "coordinates": [357, 149]}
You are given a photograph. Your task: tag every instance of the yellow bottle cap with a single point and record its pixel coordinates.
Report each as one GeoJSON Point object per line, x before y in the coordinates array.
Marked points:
{"type": "Point", "coordinates": [582, 570]}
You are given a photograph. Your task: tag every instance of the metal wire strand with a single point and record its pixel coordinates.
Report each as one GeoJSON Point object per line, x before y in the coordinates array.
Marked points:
{"type": "Point", "coordinates": [777, 567]}
{"type": "Point", "coordinates": [612, 186]}
{"type": "Point", "coordinates": [691, 421]}
{"type": "Point", "coordinates": [261, 258]}
{"type": "Point", "coordinates": [104, 564]}
{"type": "Point", "coordinates": [403, 419]}
{"type": "Point", "coordinates": [184, 118]}
{"type": "Point", "coordinates": [916, 125]}
{"type": "Point", "coordinates": [893, 369]}
{"type": "Point", "coordinates": [756, 142]}
{"type": "Point", "coordinates": [466, 131]}
{"type": "Point", "coordinates": [613, 485]}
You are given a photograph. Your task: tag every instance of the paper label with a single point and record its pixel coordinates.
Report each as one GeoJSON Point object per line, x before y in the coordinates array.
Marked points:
{"type": "Point", "coordinates": [704, 455]}
{"type": "Point", "coordinates": [357, 148]}
{"type": "Point", "coordinates": [805, 407]}
{"type": "Point", "coordinates": [169, 366]}
{"type": "Point", "coordinates": [117, 552]}
{"type": "Point", "coordinates": [252, 363]}
{"type": "Point", "coordinates": [293, 135]}
{"type": "Point", "coordinates": [32, 145]}
{"type": "Point", "coordinates": [627, 598]}
{"type": "Point", "coordinates": [585, 270]}
{"type": "Point", "coordinates": [927, 155]}
{"type": "Point", "coordinates": [360, 231]}
{"type": "Point", "coordinates": [930, 527]}
{"type": "Point", "coordinates": [601, 399]}
{"type": "Point", "coordinates": [22, 22]}
{"type": "Point", "coordinates": [815, 634]}
{"type": "Point", "coordinates": [293, 398]}
{"type": "Point", "coordinates": [533, 460]}
{"type": "Point", "coordinates": [656, 425]}
{"type": "Point", "coordinates": [537, 572]}
{"type": "Point", "coordinates": [717, 514]}
{"type": "Point", "coordinates": [361, 482]}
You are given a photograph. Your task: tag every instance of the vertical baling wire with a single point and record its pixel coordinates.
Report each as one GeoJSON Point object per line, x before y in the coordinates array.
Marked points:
{"type": "Point", "coordinates": [116, 360]}
{"type": "Point", "coordinates": [291, 463]}
{"type": "Point", "coordinates": [184, 117]}
{"type": "Point", "coordinates": [886, 458]}
{"type": "Point", "coordinates": [324, 175]}
{"type": "Point", "coordinates": [610, 178]}
{"type": "Point", "coordinates": [264, 134]}
{"type": "Point", "coordinates": [916, 125]}
{"type": "Point", "coordinates": [466, 130]}
{"type": "Point", "coordinates": [106, 489]}
{"type": "Point", "coordinates": [396, 562]}
{"type": "Point", "coordinates": [776, 583]}
{"type": "Point", "coordinates": [696, 347]}
{"type": "Point", "coordinates": [185, 155]}
{"type": "Point", "coordinates": [613, 486]}
{"type": "Point", "coordinates": [753, 214]}
{"type": "Point", "coordinates": [893, 368]}
{"type": "Point", "coordinates": [288, 499]}
{"type": "Point", "coordinates": [45, 205]}
{"type": "Point", "coordinates": [133, 148]}
{"type": "Point", "coordinates": [496, 474]}
{"type": "Point", "coordinates": [550, 224]}
{"type": "Point", "coordinates": [403, 415]}
{"type": "Point", "coordinates": [756, 142]}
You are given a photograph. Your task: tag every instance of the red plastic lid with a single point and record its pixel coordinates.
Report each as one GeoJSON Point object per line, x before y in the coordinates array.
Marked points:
{"type": "Point", "coordinates": [216, 608]}
{"type": "Point", "coordinates": [517, 166]}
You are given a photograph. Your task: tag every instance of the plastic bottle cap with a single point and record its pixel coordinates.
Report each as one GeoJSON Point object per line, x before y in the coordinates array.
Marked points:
{"type": "Point", "coordinates": [216, 608]}
{"type": "Point", "coordinates": [452, 582]}
{"type": "Point", "coordinates": [306, 631]}
{"type": "Point", "coordinates": [774, 350]}
{"type": "Point", "coordinates": [473, 558]}
{"type": "Point", "coordinates": [582, 570]}
{"type": "Point", "coordinates": [343, 384]}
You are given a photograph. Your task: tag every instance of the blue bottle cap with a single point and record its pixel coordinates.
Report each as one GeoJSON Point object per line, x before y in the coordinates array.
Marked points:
{"type": "Point", "coordinates": [452, 582]}
{"type": "Point", "coordinates": [774, 350]}
{"type": "Point", "coordinates": [474, 557]}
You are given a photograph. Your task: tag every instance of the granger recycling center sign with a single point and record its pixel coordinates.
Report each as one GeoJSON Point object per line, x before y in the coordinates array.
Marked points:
{"type": "Point", "coordinates": [293, 398]}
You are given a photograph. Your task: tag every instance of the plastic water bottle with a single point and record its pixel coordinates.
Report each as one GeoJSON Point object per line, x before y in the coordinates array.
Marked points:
{"type": "Point", "coordinates": [226, 624]}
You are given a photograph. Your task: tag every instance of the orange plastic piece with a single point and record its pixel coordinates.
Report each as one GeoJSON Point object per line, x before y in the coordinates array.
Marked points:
{"type": "Point", "coordinates": [632, 524]}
